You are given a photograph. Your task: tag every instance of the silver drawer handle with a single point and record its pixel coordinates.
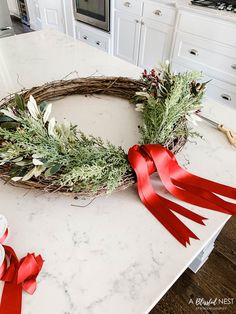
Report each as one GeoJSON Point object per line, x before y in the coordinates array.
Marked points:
{"type": "Point", "coordinates": [233, 66]}
{"type": "Point", "coordinates": [127, 4]}
{"type": "Point", "coordinates": [5, 28]}
{"type": "Point", "coordinates": [194, 52]}
{"type": "Point", "coordinates": [85, 37]}
{"type": "Point", "coordinates": [158, 12]}
{"type": "Point", "coordinates": [98, 43]}
{"type": "Point", "coordinates": [225, 97]}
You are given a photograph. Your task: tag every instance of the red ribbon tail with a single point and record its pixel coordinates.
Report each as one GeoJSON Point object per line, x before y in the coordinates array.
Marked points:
{"type": "Point", "coordinates": [177, 228]}
{"type": "Point", "coordinates": [187, 187]}
{"type": "Point", "coordinates": [12, 292]}
{"type": "Point", "coordinates": [11, 298]}
{"type": "Point", "coordinates": [159, 206]}
{"type": "Point", "coordinates": [179, 231]}
{"type": "Point", "coordinates": [185, 212]}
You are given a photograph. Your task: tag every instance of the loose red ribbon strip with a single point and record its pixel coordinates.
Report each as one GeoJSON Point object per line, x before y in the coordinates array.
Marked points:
{"type": "Point", "coordinates": [185, 186]}
{"type": "Point", "coordinates": [18, 275]}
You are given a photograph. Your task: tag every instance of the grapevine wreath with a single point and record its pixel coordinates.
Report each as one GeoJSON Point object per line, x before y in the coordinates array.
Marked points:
{"type": "Point", "coordinates": [37, 152]}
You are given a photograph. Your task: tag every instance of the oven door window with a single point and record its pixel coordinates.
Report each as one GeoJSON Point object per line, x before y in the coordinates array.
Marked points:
{"type": "Point", "coordinates": [92, 8]}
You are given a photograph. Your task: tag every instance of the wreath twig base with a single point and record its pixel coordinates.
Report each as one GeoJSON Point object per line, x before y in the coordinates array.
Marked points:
{"type": "Point", "coordinates": [121, 87]}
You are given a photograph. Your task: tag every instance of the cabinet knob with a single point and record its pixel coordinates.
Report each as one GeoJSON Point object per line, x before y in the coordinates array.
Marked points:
{"type": "Point", "coordinates": [136, 21]}
{"type": "Point", "coordinates": [142, 22]}
{"type": "Point", "coordinates": [85, 37]}
{"type": "Point", "coordinates": [194, 52]}
{"type": "Point", "coordinates": [127, 4]}
{"type": "Point", "coordinates": [233, 66]}
{"type": "Point", "coordinates": [225, 97]}
{"type": "Point", "coordinates": [98, 43]}
{"type": "Point", "coordinates": [158, 12]}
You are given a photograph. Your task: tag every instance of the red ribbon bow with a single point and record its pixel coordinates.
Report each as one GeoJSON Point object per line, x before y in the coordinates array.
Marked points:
{"type": "Point", "coordinates": [18, 275]}
{"type": "Point", "coordinates": [187, 187]}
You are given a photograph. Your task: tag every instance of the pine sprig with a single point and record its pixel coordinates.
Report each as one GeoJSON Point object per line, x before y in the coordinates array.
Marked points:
{"type": "Point", "coordinates": [67, 158]}
{"type": "Point", "coordinates": [169, 100]}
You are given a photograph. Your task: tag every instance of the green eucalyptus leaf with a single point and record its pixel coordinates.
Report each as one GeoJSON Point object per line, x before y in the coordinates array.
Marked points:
{"type": "Point", "coordinates": [10, 125]}
{"type": "Point", "coordinates": [19, 102]}
{"type": "Point", "coordinates": [44, 161]}
{"type": "Point", "coordinates": [9, 113]}
{"type": "Point", "coordinates": [17, 172]}
{"type": "Point", "coordinates": [4, 118]}
{"type": "Point", "coordinates": [43, 105]}
{"type": "Point", "coordinates": [51, 171]}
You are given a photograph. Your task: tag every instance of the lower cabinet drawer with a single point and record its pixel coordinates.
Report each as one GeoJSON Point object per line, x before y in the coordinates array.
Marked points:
{"type": "Point", "coordinates": [214, 29]}
{"type": "Point", "coordinates": [218, 90]}
{"type": "Point", "coordinates": [222, 92]}
{"type": "Point", "coordinates": [208, 56]}
{"type": "Point", "coordinates": [92, 38]}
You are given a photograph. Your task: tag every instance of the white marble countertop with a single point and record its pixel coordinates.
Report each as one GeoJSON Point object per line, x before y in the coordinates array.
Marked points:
{"type": "Point", "coordinates": [112, 256]}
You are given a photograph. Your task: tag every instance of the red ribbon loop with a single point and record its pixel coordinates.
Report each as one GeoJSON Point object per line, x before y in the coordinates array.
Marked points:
{"type": "Point", "coordinates": [28, 271]}
{"type": "Point", "coordinates": [18, 276]}
{"type": "Point", "coordinates": [185, 186]}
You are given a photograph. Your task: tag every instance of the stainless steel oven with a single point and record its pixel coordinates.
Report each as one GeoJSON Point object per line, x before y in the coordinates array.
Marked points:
{"type": "Point", "coordinates": [93, 12]}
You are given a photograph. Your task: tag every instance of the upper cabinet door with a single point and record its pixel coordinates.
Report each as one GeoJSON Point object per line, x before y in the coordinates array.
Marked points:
{"type": "Point", "coordinates": [52, 14]}
{"type": "Point", "coordinates": [126, 37]}
{"type": "Point", "coordinates": [155, 44]}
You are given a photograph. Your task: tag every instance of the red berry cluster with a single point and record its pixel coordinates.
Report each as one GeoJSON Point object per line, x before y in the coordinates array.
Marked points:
{"type": "Point", "coordinates": [152, 79]}
{"type": "Point", "coordinates": [151, 76]}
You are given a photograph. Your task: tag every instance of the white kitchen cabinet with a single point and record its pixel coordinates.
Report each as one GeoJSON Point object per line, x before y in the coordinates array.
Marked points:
{"type": "Point", "coordinates": [127, 36]}
{"type": "Point", "coordinates": [52, 14]}
{"type": "Point", "coordinates": [216, 89]}
{"type": "Point", "coordinates": [205, 55]}
{"type": "Point", "coordinates": [56, 14]}
{"type": "Point", "coordinates": [92, 36]}
{"type": "Point", "coordinates": [155, 43]}
{"type": "Point", "coordinates": [210, 49]}
{"type": "Point", "coordinates": [144, 38]}
{"type": "Point", "coordinates": [208, 27]}
{"type": "Point", "coordinates": [34, 14]}
{"type": "Point", "coordinates": [13, 7]}
{"type": "Point", "coordinates": [69, 17]}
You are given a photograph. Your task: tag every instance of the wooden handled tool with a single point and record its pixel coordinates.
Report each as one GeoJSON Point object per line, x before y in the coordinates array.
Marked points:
{"type": "Point", "coordinates": [231, 135]}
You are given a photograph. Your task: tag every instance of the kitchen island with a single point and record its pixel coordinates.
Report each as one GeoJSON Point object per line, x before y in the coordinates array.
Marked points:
{"type": "Point", "coordinates": [107, 255]}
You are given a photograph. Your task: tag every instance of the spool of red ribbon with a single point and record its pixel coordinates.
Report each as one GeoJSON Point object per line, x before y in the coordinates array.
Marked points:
{"type": "Point", "coordinates": [17, 274]}
{"type": "Point", "coordinates": [185, 186]}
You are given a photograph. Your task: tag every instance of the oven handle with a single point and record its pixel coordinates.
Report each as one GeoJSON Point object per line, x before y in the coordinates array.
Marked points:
{"type": "Point", "coordinates": [5, 28]}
